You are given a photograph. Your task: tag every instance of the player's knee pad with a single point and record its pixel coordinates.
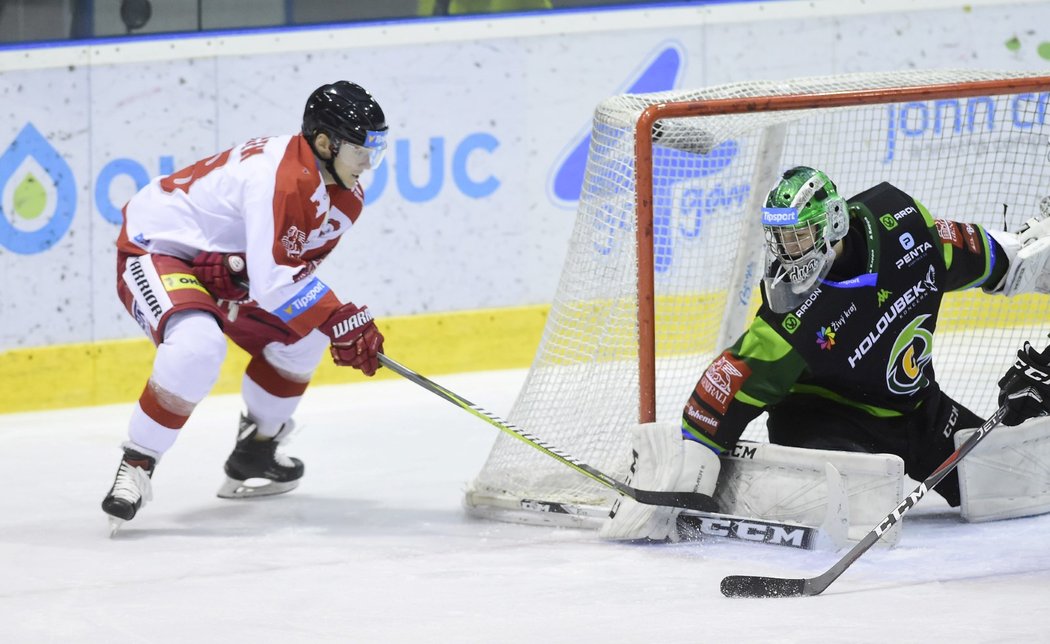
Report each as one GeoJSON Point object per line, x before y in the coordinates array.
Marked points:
{"type": "Point", "coordinates": [299, 359]}
{"type": "Point", "coordinates": [190, 357]}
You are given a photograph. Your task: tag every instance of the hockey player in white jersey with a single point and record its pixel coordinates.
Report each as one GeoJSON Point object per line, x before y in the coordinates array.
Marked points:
{"type": "Point", "coordinates": [228, 247]}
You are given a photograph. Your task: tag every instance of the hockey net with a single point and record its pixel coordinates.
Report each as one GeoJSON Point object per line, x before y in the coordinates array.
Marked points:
{"type": "Point", "coordinates": [630, 331]}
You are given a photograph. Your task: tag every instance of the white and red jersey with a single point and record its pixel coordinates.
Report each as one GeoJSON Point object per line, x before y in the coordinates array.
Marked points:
{"type": "Point", "coordinates": [265, 198]}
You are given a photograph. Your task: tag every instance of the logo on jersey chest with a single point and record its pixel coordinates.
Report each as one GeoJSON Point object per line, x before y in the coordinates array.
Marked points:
{"type": "Point", "coordinates": [825, 338]}
{"type": "Point", "coordinates": [840, 321]}
{"type": "Point", "coordinates": [912, 351]}
{"type": "Point", "coordinates": [293, 242]}
{"type": "Point", "coordinates": [320, 200]}
{"type": "Point", "coordinates": [913, 252]}
{"type": "Point", "coordinates": [901, 306]}
{"type": "Point", "coordinates": [793, 321]}
{"type": "Point", "coordinates": [826, 334]}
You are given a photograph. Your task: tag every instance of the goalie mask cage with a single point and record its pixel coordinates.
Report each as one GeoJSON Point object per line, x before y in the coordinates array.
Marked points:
{"type": "Point", "coordinates": [665, 256]}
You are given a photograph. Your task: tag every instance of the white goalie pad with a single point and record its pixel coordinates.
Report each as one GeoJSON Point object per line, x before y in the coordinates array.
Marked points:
{"type": "Point", "coordinates": [792, 484]}
{"type": "Point", "coordinates": [1008, 474]}
{"type": "Point", "coordinates": [662, 462]}
{"type": "Point", "coordinates": [844, 493]}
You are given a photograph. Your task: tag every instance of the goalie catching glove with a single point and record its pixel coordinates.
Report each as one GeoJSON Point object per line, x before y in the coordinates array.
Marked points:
{"type": "Point", "coordinates": [356, 342]}
{"type": "Point", "coordinates": [663, 462]}
{"type": "Point", "coordinates": [1030, 371]}
{"type": "Point", "coordinates": [225, 275]}
{"type": "Point", "coordinates": [1028, 253]}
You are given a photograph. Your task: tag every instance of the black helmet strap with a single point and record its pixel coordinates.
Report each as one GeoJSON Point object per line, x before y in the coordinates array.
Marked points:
{"type": "Point", "coordinates": [329, 164]}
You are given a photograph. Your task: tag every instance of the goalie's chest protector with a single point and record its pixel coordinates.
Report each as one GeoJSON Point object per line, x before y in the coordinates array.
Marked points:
{"type": "Point", "coordinates": [870, 338]}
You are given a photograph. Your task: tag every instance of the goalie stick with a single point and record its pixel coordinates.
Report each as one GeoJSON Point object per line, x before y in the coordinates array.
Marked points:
{"type": "Point", "coordinates": [757, 586]}
{"type": "Point", "coordinates": [698, 507]}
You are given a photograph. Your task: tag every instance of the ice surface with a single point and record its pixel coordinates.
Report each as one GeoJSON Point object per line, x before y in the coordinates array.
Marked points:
{"type": "Point", "coordinates": [374, 547]}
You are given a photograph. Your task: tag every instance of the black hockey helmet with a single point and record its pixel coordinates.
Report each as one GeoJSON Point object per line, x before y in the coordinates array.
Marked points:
{"type": "Point", "coordinates": [344, 111]}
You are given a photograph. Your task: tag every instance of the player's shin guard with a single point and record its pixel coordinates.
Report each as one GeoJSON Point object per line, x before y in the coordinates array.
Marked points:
{"type": "Point", "coordinates": [662, 462]}
{"type": "Point", "coordinates": [255, 468]}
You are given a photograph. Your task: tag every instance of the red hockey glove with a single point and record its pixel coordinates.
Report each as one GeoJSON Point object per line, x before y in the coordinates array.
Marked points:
{"type": "Point", "coordinates": [356, 342]}
{"type": "Point", "coordinates": [225, 275]}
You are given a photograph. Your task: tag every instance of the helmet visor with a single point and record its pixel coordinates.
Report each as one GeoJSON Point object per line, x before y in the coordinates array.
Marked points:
{"type": "Point", "coordinates": [375, 145]}
{"type": "Point", "coordinates": [363, 157]}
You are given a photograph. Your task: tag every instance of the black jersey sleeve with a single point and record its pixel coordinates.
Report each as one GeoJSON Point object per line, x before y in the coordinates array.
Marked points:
{"type": "Point", "coordinates": [757, 371]}
{"type": "Point", "coordinates": [972, 257]}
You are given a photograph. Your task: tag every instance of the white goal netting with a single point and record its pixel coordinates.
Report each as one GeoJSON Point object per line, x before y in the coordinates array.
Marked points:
{"type": "Point", "coordinates": [964, 157]}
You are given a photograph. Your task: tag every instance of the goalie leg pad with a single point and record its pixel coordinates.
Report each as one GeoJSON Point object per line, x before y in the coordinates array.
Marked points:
{"type": "Point", "coordinates": [794, 484]}
{"type": "Point", "coordinates": [663, 462]}
{"type": "Point", "coordinates": [1008, 474]}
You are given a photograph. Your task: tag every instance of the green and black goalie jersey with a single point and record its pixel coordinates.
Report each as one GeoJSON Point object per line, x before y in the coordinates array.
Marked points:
{"type": "Point", "coordinates": [864, 335]}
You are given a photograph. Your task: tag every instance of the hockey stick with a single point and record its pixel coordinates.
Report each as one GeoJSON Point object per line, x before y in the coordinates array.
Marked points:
{"type": "Point", "coordinates": [756, 586]}
{"type": "Point", "coordinates": [698, 508]}
{"type": "Point", "coordinates": [688, 500]}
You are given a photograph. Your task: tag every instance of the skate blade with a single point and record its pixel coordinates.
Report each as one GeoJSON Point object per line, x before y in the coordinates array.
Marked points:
{"type": "Point", "coordinates": [114, 525]}
{"type": "Point", "coordinates": [250, 488]}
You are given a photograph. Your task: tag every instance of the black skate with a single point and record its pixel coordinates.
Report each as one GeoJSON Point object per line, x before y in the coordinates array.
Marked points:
{"type": "Point", "coordinates": [131, 487]}
{"type": "Point", "coordinates": [255, 468]}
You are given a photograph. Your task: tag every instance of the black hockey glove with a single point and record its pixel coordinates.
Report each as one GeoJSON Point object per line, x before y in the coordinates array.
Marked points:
{"type": "Point", "coordinates": [1025, 388]}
